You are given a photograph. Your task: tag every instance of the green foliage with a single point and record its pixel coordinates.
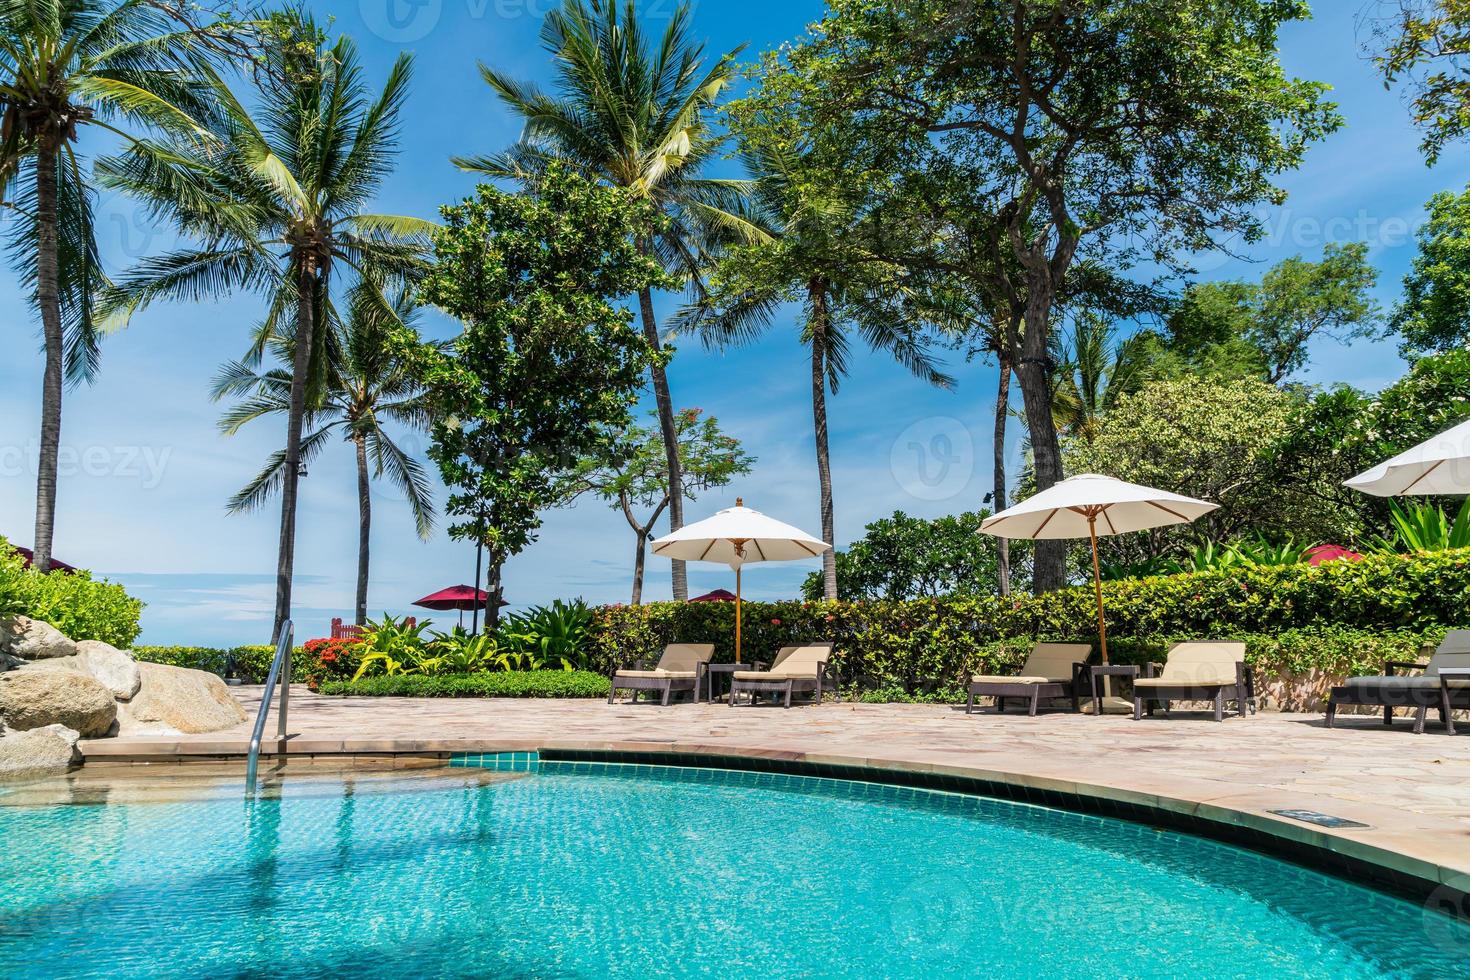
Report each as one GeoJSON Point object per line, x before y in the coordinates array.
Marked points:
{"type": "Point", "coordinates": [394, 648]}
{"type": "Point", "coordinates": [548, 635]}
{"type": "Point", "coordinates": [252, 664]}
{"type": "Point", "coordinates": [1424, 42]}
{"type": "Point", "coordinates": [1434, 315]}
{"type": "Point", "coordinates": [1238, 330]}
{"type": "Point", "coordinates": [547, 364]}
{"type": "Point", "coordinates": [903, 557]}
{"type": "Point", "coordinates": [1422, 526]}
{"type": "Point", "coordinates": [937, 641]}
{"type": "Point", "coordinates": [523, 684]}
{"type": "Point", "coordinates": [462, 652]}
{"type": "Point", "coordinates": [76, 604]}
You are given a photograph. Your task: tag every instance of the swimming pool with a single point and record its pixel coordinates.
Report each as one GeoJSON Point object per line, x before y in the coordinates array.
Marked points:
{"type": "Point", "coordinates": [581, 870]}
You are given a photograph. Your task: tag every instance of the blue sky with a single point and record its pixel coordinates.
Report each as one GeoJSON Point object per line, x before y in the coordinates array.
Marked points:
{"type": "Point", "coordinates": [146, 473]}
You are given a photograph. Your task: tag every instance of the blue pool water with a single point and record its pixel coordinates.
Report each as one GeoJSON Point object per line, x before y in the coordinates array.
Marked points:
{"type": "Point", "coordinates": [589, 871]}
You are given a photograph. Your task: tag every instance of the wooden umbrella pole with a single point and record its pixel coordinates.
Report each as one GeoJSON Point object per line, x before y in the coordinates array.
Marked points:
{"type": "Point", "coordinates": [737, 614]}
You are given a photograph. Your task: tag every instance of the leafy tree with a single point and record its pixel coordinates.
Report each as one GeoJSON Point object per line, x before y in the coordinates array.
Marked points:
{"type": "Point", "coordinates": [68, 66]}
{"type": "Point", "coordinates": [1434, 314]}
{"type": "Point", "coordinates": [276, 202]}
{"type": "Point", "coordinates": [1264, 330]}
{"type": "Point", "coordinates": [635, 473]}
{"type": "Point", "coordinates": [368, 384]}
{"type": "Point", "coordinates": [547, 365]}
{"type": "Point", "coordinates": [903, 557]}
{"type": "Point", "coordinates": [633, 114]}
{"type": "Point", "coordinates": [815, 253]}
{"type": "Point", "coordinates": [1097, 127]}
{"type": "Point", "coordinates": [1425, 43]}
{"type": "Point", "coordinates": [1203, 438]}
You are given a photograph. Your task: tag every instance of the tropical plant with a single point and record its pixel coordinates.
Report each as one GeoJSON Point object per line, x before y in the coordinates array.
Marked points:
{"type": "Point", "coordinates": [277, 204]}
{"type": "Point", "coordinates": [67, 66]}
{"type": "Point", "coordinates": [554, 634]}
{"type": "Point", "coordinates": [1095, 371]}
{"type": "Point", "coordinates": [815, 250]}
{"type": "Point", "coordinates": [1423, 526]}
{"type": "Point", "coordinates": [462, 652]}
{"type": "Point", "coordinates": [367, 384]}
{"type": "Point", "coordinates": [1261, 550]}
{"type": "Point", "coordinates": [635, 115]}
{"type": "Point", "coordinates": [394, 647]}
{"type": "Point", "coordinates": [633, 471]}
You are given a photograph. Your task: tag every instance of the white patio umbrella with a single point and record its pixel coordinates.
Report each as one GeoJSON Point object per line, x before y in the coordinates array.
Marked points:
{"type": "Point", "coordinates": [1089, 506]}
{"type": "Point", "coordinates": [1439, 465]}
{"type": "Point", "coordinates": [739, 536]}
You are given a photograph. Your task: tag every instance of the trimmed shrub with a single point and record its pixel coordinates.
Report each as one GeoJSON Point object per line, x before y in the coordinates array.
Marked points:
{"type": "Point", "coordinates": [513, 684]}
{"type": "Point", "coordinates": [252, 663]}
{"type": "Point", "coordinates": [76, 604]}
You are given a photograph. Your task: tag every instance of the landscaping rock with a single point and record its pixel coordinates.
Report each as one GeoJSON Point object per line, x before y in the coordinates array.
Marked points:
{"type": "Point", "coordinates": [115, 668]}
{"type": "Point", "coordinates": [176, 700]}
{"type": "Point", "coordinates": [48, 751]}
{"type": "Point", "coordinates": [34, 698]}
{"type": "Point", "coordinates": [31, 639]}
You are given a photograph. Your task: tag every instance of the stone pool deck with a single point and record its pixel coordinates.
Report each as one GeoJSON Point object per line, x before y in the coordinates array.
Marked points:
{"type": "Point", "coordinates": [1412, 791]}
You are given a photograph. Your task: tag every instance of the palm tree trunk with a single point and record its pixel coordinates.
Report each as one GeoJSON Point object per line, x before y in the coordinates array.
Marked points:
{"type": "Point", "coordinates": [48, 298]}
{"type": "Point", "coordinates": [364, 526]}
{"type": "Point", "coordinates": [291, 475]}
{"type": "Point", "coordinates": [1033, 371]}
{"type": "Point", "coordinates": [820, 324]}
{"type": "Point", "coordinates": [998, 500]}
{"type": "Point", "coordinates": [665, 403]}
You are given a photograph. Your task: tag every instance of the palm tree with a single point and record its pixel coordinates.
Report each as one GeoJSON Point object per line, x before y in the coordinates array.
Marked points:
{"type": "Point", "coordinates": [277, 206]}
{"type": "Point", "coordinates": [814, 253]}
{"type": "Point", "coordinates": [367, 385]}
{"type": "Point", "coordinates": [65, 66]}
{"type": "Point", "coordinates": [633, 115]}
{"type": "Point", "coordinates": [1094, 372]}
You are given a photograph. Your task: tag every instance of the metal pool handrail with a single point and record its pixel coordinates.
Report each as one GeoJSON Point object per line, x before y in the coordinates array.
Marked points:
{"type": "Point", "coordinates": [282, 658]}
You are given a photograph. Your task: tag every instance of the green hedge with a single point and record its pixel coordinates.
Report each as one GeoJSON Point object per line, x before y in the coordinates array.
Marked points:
{"type": "Point", "coordinates": [1339, 617]}
{"type": "Point", "coordinates": [76, 604]}
{"type": "Point", "coordinates": [252, 663]}
{"type": "Point", "coordinates": [513, 684]}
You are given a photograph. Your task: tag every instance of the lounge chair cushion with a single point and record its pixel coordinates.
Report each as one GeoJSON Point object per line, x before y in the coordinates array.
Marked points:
{"type": "Point", "coordinates": [656, 672]}
{"type": "Point", "coordinates": [797, 663]}
{"type": "Point", "coordinates": [685, 656]}
{"type": "Point", "coordinates": [1401, 682]}
{"type": "Point", "coordinates": [1055, 661]}
{"type": "Point", "coordinates": [1198, 664]}
{"type": "Point", "coordinates": [1000, 679]}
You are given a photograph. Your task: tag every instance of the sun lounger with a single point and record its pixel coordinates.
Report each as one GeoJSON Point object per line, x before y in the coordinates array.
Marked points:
{"type": "Point", "coordinates": [800, 669]}
{"type": "Point", "coordinates": [1198, 671]}
{"type": "Point", "coordinates": [1053, 670]}
{"type": "Point", "coordinates": [681, 668]}
{"type": "Point", "coordinates": [1418, 691]}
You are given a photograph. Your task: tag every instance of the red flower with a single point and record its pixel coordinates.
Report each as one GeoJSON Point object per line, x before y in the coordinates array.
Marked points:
{"type": "Point", "coordinates": [831, 618]}
{"type": "Point", "coordinates": [329, 657]}
{"type": "Point", "coordinates": [775, 622]}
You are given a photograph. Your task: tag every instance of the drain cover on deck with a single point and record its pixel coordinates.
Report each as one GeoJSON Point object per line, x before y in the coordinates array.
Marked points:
{"type": "Point", "coordinates": [1320, 819]}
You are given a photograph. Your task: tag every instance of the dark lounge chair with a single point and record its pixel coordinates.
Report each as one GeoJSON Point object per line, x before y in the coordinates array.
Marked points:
{"type": "Point", "coordinates": [803, 669]}
{"type": "Point", "coordinates": [1208, 670]}
{"type": "Point", "coordinates": [1053, 670]}
{"type": "Point", "coordinates": [1421, 692]}
{"type": "Point", "coordinates": [681, 668]}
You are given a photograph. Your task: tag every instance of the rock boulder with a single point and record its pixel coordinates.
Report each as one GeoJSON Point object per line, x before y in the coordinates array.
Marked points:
{"type": "Point", "coordinates": [48, 751]}
{"type": "Point", "coordinates": [113, 667]}
{"type": "Point", "coordinates": [34, 698]}
{"type": "Point", "coordinates": [176, 700]}
{"type": "Point", "coordinates": [31, 639]}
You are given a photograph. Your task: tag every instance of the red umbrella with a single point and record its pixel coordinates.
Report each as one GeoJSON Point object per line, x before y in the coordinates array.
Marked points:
{"type": "Point", "coordinates": [27, 555]}
{"type": "Point", "coordinates": [459, 597]}
{"type": "Point", "coordinates": [1331, 552]}
{"type": "Point", "coordinates": [718, 595]}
